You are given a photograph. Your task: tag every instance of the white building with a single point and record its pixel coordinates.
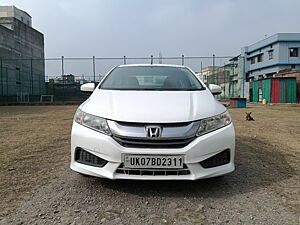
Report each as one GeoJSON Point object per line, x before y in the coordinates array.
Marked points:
{"type": "Point", "coordinates": [271, 55]}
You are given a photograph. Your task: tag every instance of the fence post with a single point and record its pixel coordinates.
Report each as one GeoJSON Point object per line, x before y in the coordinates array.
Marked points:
{"type": "Point", "coordinates": [160, 58]}
{"type": "Point", "coordinates": [151, 61]}
{"type": "Point", "coordinates": [62, 74]}
{"type": "Point", "coordinates": [6, 81]}
{"type": "Point", "coordinates": [233, 74]}
{"type": "Point", "coordinates": [31, 76]}
{"type": "Point", "coordinates": [2, 85]}
{"type": "Point", "coordinates": [62, 65]}
{"type": "Point", "coordinates": [124, 59]}
{"type": "Point", "coordinates": [213, 58]}
{"type": "Point", "coordinates": [217, 70]}
{"type": "Point", "coordinates": [40, 83]}
{"type": "Point", "coordinates": [243, 77]}
{"type": "Point", "coordinates": [182, 60]}
{"type": "Point", "coordinates": [224, 81]}
{"type": "Point", "coordinates": [94, 68]}
{"type": "Point", "coordinates": [201, 71]}
{"type": "Point", "coordinates": [18, 83]}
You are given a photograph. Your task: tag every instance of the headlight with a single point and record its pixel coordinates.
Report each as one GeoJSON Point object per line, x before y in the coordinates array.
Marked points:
{"type": "Point", "coordinates": [93, 122]}
{"type": "Point", "coordinates": [213, 123]}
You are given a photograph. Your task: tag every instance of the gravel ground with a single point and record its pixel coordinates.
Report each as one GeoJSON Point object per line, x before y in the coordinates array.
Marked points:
{"type": "Point", "coordinates": [37, 186]}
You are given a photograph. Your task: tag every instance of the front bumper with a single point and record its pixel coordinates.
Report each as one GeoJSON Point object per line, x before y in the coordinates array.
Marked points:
{"type": "Point", "coordinates": [108, 149]}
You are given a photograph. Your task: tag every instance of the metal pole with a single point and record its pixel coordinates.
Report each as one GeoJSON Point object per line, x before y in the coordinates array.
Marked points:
{"type": "Point", "coordinates": [224, 80]}
{"type": "Point", "coordinates": [124, 59]}
{"type": "Point", "coordinates": [217, 76]}
{"type": "Point", "coordinates": [160, 58]}
{"type": "Point", "coordinates": [6, 81]}
{"type": "Point", "coordinates": [230, 80]}
{"type": "Point", "coordinates": [243, 77]}
{"type": "Point", "coordinates": [19, 83]}
{"type": "Point", "coordinates": [151, 62]}
{"type": "Point", "coordinates": [214, 68]}
{"type": "Point", "coordinates": [94, 68]}
{"type": "Point", "coordinates": [40, 83]}
{"type": "Point", "coordinates": [62, 75]}
{"type": "Point", "coordinates": [62, 66]}
{"type": "Point", "coordinates": [31, 74]}
{"type": "Point", "coordinates": [182, 60]}
{"type": "Point", "coordinates": [1, 64]}
{"type": "Point", "coordinates": [201, 71]}
{"type": "Point", "coordinates": [233, 73]}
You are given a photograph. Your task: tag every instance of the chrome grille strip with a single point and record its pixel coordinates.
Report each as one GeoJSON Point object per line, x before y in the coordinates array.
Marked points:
{"type": "Point", "coordinates": [169, 130]}
{"type": "Point", "coordinates": [152, 143]}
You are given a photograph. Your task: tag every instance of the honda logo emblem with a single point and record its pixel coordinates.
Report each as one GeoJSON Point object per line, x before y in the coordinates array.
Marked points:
{"type": "Point", "coordinates": [153, 131]}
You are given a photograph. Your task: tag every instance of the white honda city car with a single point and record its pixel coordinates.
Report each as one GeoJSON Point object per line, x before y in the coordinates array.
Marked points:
{"type": "Point", "coordinates": [152, 122]}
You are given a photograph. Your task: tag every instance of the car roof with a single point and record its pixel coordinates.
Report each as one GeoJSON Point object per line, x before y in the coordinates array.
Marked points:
{"type": "Point", "coordinates": [151, 65]}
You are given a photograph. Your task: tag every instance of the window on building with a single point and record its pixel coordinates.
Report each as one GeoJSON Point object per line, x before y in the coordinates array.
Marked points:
{"type": "Point", "coordinates": [293, 52]}
{"type": "Point", "coordinates": [252, 60]}
{"type": "Point", "coordinates": [247, 77]}
{"type": "Point", "coordinates": [293, 66]}
{"type": "Point", "coordinates": [271, 56]}
{"type": "Point", "coordinates": [260, 58]}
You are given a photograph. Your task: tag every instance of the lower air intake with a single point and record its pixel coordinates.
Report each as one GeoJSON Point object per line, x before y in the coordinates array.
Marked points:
{"type": "Point", "coordinates": [219, 159]}
{"type": "Point", "coordinates": [153, 172]}
{"type": "Point", "coordinates": [87, 158]}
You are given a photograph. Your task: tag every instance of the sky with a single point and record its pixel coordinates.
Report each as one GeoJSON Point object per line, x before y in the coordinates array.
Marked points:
{"type": "Point", "coordinates": [140, 28]}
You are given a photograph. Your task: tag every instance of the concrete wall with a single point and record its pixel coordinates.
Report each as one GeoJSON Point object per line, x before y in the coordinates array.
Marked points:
{"type": "Point", "coordinates": [12, 11]}
{"type": "Point", "coordinates": [18, 73]}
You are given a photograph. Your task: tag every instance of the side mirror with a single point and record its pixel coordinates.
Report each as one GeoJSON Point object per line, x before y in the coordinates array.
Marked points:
{"type": "Point", "coordinates": [88, 87]}
{"type": "Point", "coordinates": [215, 89]}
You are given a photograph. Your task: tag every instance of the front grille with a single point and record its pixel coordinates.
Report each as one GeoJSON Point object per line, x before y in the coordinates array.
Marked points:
{"type": "Point", "coordinates": [152, 143]}
{"type": "Point", "coordinates": [87, 158]}
{"type": "Point", "coordinates": [153, 172]}
{"type": "Point", "coordinates": [219, 159]}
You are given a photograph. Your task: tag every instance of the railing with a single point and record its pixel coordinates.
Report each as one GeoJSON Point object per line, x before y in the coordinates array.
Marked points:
{"type": "Point", "coordinates": [27, 79]}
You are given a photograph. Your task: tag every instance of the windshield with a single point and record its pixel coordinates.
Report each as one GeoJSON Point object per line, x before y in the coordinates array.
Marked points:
{"type": "Point", "coordinates": [162, 78]}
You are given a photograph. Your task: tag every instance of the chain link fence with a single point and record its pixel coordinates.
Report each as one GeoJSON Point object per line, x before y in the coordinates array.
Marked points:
{"type": "Point", "coordinates": [59, 79]}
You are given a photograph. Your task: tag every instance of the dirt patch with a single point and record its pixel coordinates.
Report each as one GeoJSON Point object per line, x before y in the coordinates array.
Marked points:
{"type": "Point", "coordinates": [37, 186]}
{"type": "Point", "coordinates": [33, 144]}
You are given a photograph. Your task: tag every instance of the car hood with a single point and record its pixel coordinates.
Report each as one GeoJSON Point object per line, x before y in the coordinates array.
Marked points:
{"type": "Point", "coordinates": [152, 106]}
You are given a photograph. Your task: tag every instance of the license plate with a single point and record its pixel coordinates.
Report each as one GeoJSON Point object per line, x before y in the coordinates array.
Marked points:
{"type": "Point", "coordinates": [153, 161]}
